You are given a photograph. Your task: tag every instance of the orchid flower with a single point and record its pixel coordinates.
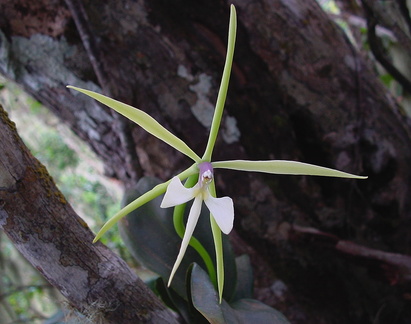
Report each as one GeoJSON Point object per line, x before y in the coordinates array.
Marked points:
{"type": "Point", "coordinates": [176, 194]}
{"type": "Point", "coordinates": [222, 209]}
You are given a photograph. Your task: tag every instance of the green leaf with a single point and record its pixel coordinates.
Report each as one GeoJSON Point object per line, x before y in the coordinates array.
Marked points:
{"type": "Point", "coordinates": [205, 299]}
{"type": "Point", "coordinates": [144, 120]}
{"type": "Point", "coordinates": [204, 296]}
{"type": "Point", "coordinates": [283, 167]}
{"type": "Point", "coordinates": [253, 311]}
{"type": "Point", "coordinates": [173, 300]}
{"type": "Point", "coordinates": [244, 288]}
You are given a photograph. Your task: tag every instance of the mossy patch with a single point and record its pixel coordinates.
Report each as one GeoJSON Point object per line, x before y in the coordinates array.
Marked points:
{"type": "Point", "coordinates": [48, 182]}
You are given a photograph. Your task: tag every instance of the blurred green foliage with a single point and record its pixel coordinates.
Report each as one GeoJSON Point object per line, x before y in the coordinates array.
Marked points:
{"type": "Point", "coordinates": [54, 152]}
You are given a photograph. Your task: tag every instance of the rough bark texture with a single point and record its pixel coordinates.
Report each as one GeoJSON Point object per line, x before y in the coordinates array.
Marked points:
{"type": "Point", "coordinates": [58, 243]}
{"type": "Point", "coordinates": [299, 90]}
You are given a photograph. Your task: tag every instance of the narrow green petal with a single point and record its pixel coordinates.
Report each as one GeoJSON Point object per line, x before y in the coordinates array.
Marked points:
{"type": "Point", "coordinates": [284, 167]}
{"type": "Point", "coordinates": [218, 245]}
{"type": "Point", "coordinates": [222, 93]}
{"type": "Point", "coordinates": [144, 120]}
{"type": "Point", "coordinates": [140, 201]}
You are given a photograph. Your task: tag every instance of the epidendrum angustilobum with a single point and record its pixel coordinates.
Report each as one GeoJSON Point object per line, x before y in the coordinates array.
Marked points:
{"type": "Point", "coordinates": [200, 186]}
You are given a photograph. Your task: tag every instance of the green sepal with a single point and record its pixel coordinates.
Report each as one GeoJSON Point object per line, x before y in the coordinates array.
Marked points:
{"type": "Point", "coordinates": [140, 201]}
{"type": "Point", "coordinates": [144, 120]}
{"type": "Point", "coordinates": [222, 92]}
{"type": "Point", "coordinates": [283, 167]}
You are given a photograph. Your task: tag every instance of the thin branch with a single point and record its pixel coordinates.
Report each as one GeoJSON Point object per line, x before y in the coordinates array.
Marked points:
{"type": "Point", "coordinates": [81, 20]}
{"type": "Point", "coordinates": [401, 262]}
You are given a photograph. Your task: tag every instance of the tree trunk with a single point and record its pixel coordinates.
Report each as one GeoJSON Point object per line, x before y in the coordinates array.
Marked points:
{"type": "Point", "coordinates": [58, 243]}
{"type": "Point", "coordinates": [299, 91]}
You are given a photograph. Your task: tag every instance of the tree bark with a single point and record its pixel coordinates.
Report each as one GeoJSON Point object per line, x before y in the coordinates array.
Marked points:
{"type": "Point", "coordinates": [299, 91]}
{"type": "Point", "coordinates": [58, 243]}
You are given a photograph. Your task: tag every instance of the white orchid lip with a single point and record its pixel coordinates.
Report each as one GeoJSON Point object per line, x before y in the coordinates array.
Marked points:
{"type": "Point", "coordinates": [222, 208]}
